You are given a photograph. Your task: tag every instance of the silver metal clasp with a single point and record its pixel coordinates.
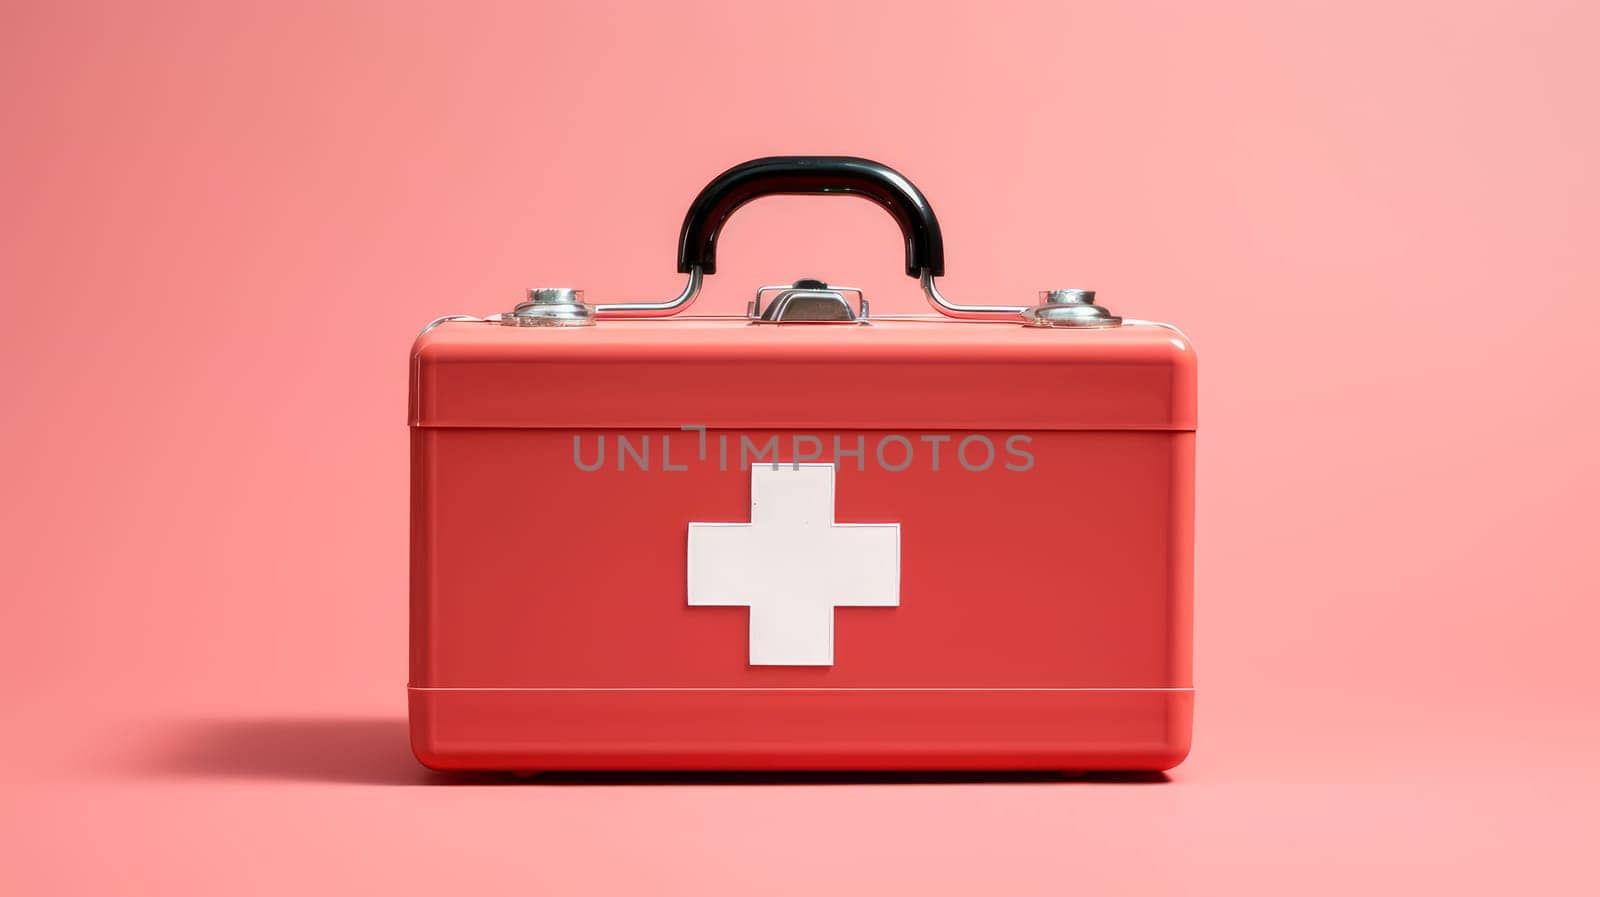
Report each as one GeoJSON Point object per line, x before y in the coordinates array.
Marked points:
{"type": "Point", "coordinates": [808, 301]}
{"type": "Point", "coordinates": [1069, 308]}
{"type": "Point", "coordinates": [551, 307]}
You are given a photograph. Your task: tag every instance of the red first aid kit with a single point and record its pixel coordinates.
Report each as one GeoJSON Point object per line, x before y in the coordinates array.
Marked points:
{"type": "Point", "coordinates": [808, 537]}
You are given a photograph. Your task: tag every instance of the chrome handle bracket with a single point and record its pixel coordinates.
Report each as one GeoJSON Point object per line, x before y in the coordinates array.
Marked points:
{"type": "Point", "coordinates": [691, 290]}
{"type": "Point", "coordinates": [955, 310]}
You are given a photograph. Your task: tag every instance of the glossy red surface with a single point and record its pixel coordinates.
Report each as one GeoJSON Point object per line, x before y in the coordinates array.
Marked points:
{"type": "Point", "coordinates": [561, 588]}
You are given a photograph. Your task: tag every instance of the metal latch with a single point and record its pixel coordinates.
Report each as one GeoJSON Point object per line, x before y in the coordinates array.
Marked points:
{"type": "Point", "coordinates": [551, 307]}
{"type": "Point", "coordinates": [1068, 308]}
{"type": "Point", "coordinates": [808, 301]}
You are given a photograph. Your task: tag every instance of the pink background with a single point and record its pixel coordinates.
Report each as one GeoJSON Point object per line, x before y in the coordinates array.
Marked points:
{"type": "Point", "coordinates": [224, 223]}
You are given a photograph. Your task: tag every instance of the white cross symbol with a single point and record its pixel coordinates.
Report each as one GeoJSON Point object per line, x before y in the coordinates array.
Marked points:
{"type": "Point", "coordinates": [792, 565]}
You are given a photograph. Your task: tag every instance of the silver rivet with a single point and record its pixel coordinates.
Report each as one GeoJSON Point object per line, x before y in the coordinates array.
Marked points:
{"type": "Point", "coordinates": [1068, 308]}
{"type": "Point", "coordinates": [1066, 297]}
{"type": "Point", "coordinates": [554, 295]}
{"type": "Point", "coordinates": [551, 307]}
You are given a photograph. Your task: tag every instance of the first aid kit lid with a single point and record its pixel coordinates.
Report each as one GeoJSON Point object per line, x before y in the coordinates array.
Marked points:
{"type": "Point", "coordinates": [722, 372]}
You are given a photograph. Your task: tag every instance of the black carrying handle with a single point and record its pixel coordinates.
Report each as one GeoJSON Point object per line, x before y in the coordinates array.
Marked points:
{"type": "Point", "coordinates": [807, 175]}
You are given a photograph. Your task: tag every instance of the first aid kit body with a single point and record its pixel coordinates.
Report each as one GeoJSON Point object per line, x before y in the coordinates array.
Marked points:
{"type": "Point", "coordinates": [803, 538]}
